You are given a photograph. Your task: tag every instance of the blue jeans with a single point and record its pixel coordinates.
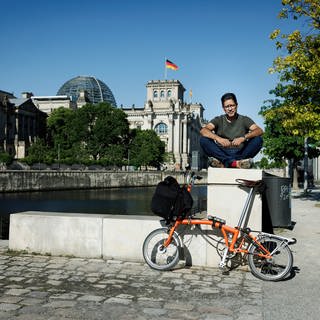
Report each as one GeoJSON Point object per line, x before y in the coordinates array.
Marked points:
{"type": "Point", "coordinates": [228, 155]}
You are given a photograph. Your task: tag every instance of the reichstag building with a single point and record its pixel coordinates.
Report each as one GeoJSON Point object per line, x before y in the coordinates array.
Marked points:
{"type": "Point", "coordinates": [176, 122]}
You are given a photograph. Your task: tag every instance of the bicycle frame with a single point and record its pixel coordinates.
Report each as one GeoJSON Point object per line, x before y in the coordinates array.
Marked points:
{"type": "Point", "coordinates": [225, 230]}
{"type": "Point", "coordinates": [236, 232]}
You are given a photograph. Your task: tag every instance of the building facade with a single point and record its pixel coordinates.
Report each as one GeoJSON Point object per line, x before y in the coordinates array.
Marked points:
{"type": "Point", "coordinates": [177, 123]}
{"type": "Point", "coordinates": [48, 104]}
{"type": "Point", "coordinates": [21, 123]}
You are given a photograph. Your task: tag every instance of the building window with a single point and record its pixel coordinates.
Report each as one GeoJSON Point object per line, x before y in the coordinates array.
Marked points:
{"type": "Point", "coordinates": [155, 94]}
{"type": "Point", "coordinates": [169, 93]}
{"type": "Point", "coordinates": [161, 128]}
{"type": "Point", "coordinates": [161, 94]}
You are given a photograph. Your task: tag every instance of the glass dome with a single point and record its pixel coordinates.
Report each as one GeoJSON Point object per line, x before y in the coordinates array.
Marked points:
{"type": "Point", "coordinates": [97, 91]}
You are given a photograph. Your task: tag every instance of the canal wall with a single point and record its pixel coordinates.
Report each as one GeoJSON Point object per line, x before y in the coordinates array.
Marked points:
{"type": "Point", "coordinates": [40, 180]}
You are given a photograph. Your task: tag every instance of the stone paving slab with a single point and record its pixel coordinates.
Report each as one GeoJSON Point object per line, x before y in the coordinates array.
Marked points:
{"type": "Point", "coordinates": [47, 287]}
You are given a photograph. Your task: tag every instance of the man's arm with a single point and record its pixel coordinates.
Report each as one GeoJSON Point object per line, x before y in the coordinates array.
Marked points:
{"type": "Point", "coordinates": [254, 131]}
{"type": "Point", "coordinates": [207, 131]}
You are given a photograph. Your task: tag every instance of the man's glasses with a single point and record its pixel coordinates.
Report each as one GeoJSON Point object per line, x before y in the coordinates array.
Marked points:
{"type": "Point", "coordinates": [232, 106]}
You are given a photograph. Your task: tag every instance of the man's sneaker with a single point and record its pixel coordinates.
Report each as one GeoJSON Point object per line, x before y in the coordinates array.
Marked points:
{"type": "Point", "coordinates": [244, 164]}
{"type": "Point", "coordinates": [215, 163]}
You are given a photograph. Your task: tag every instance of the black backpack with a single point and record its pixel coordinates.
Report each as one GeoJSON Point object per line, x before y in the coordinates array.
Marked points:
{"type": "Point", "coordinates": [171, 201]}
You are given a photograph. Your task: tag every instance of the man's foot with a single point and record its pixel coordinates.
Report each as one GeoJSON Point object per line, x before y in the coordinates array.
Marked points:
{"type": "Point", "coordinates": [244, 163]}
{"type": "Point", "coordinates": [215, 163]}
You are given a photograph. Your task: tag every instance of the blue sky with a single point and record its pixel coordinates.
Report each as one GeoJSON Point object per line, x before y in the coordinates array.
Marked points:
{"type": "Point", "coordinates": [219, 46]}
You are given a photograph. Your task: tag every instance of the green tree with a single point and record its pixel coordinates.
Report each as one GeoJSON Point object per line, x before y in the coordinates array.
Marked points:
{"type": "Point", "coordinates": [92, 133]}
{"type": "Point", "coordinates": [294, 114]}
{"type": "Point", "coordinates": [64, 136]}
{"type": "Point", "coordinates": [38, 152]}
{"type": "Point", "coordinates": [5, 158]}
{"type": "Point", "coordinates": [105, 132]}
{"type": "Point", "coordinates": [264, 163]}
{"type": "Point", "coordinates": [279, 144]}
{"type": "Point", "coordinates": [146, 149]}
{"type": "Point", "coordinates": [299, 72]}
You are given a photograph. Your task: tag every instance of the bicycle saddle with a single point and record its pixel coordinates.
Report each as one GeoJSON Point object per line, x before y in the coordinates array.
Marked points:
{"type": "Point", "coordinates": [249, 183]}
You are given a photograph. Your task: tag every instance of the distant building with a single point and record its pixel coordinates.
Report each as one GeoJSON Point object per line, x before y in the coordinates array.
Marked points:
{"type": "Point", "coordinates": [21, 123]}
{"type": "Point", "coordinates": [75, 93]}
{"type": "Point", "coordinates": [176, 122]}
{"type": "Point", "coordinates": [48, 104]}
{"type": "Point", "coordinates": [96, 90]}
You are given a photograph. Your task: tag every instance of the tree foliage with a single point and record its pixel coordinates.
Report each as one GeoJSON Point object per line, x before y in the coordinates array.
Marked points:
{"type": "Point", "coordinates": [146, 149]}
{"type": "Point", "coordinates": [298, 92]}
{"type": "Point", "coordinates": [295, 112]}
{"type": "Point", "coordinates": [39, 152]}
{"type": "Point", "coordinates": [92, 133]}
{"type": "Point", "coordinates": [105, 131]}
{"type": "Point", "coordinates": [64, 135]}
{"type": "Point", "coordinates": [96, 134]}
{"type": "Point", "coordinates": [5, 158]}
{"type": "Point", "coordinates": [279, 144]}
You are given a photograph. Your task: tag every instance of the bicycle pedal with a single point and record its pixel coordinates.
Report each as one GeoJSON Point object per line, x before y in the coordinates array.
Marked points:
{"type": "Point", "coordinates": [224, 269]}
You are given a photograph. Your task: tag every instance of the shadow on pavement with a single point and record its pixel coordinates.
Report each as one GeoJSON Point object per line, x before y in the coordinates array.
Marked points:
{"type": "Point", "coordinates": [311, 194]}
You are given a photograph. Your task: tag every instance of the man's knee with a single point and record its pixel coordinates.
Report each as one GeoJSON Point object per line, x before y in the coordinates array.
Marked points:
{"type": "Point", "coordinates": [204, 141]}
{"type": "Point", "coordinates": [254, 145]}
{"type": "Point", "coordinates": [257, 141]}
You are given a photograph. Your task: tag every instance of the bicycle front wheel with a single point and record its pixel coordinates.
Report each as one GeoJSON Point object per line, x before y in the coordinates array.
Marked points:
{"type": "Point", "coordinates": [275, 268]}
{"type": "Point", "coordinates": [156, 255]}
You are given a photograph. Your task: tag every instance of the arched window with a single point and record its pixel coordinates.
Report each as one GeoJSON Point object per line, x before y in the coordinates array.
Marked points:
{"type": "Point", "coordinates": [161, 94]}
{"type": "Point", "coordinates": [161, 128]}
{"type": "Point", "coordinates": [155, 94]}
{"type": "Point", "coordinates": [169, 93]}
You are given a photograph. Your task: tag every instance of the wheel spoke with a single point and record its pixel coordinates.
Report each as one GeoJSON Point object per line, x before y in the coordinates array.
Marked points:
{"type": "Point", "coordinates": [275, 268]}
{"type": "Point", "coordinates": [156, 255]}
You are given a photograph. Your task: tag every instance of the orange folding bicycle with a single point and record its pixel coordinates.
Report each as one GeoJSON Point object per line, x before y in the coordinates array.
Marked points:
{"type": "Point", "coordinates": [268, 255]}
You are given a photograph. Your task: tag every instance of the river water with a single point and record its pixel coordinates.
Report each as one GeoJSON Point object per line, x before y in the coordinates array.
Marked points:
{"type": "Point", "coordinates": [124, 201]}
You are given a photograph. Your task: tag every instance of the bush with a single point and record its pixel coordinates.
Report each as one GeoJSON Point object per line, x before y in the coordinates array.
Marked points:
{"type": "Point", "coordinates": [5, 158]}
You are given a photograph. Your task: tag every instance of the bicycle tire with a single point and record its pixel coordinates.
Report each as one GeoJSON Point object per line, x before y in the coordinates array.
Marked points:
{"type": "Point", "coordinates": [274, 269]}
{"type": "Point", "coordinates": [156, 255]}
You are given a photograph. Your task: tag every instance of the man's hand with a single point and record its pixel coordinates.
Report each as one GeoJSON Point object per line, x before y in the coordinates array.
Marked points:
{"type": "Point", "coordinates": [237, 141]}
{"type": "Point", "coordinates": [224, 142]}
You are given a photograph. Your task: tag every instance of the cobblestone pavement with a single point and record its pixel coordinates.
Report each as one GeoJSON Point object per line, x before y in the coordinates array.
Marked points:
{"type": "Point", "coordinates": [45, 287]}
{"type": "Point", "coordinates": [34, 287]}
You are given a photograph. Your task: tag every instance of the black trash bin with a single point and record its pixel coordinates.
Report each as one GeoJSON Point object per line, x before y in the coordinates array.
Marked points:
{"type": "Point", "coordinates": [276, 202]}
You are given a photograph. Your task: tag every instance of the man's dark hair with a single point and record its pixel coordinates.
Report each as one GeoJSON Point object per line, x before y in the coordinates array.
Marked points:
{"type": "Point", "coordinates": [228, 96]}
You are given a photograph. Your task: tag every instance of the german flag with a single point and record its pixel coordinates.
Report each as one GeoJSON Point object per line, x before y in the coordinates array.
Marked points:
{"type": "Point", "coordinates": [171, 65]}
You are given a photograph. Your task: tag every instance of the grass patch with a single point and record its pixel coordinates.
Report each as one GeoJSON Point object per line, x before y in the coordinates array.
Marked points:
{"type": "Point", "coordinates": [16, 252]}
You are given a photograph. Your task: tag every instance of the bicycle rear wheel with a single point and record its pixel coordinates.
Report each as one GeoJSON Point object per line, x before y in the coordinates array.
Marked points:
{"type": "Point", "coordinates": [275, 268]}
{"type": "Point", "coordinates": [156, 255]}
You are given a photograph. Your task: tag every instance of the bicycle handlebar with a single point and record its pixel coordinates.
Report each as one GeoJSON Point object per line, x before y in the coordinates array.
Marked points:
{"type": "Point", "coordinates": [191, 177]}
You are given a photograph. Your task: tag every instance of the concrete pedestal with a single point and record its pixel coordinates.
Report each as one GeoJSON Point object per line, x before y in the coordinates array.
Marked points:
{"type": "Point", "coordinates": [225, 199]}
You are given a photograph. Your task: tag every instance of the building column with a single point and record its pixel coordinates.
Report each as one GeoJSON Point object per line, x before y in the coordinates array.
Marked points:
{"type": "Point", "coordinates": [184, 143]}
{"type": "Point", "coordinates": [184, 137]}
{"type": "Point", "coordinates": [177, 141]}
{"type": "Point", "coordinates": [170, 134]}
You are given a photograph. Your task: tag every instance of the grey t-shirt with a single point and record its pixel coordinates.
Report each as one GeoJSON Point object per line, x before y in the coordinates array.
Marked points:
{"type": "Point", "coordinates": [231, 130]}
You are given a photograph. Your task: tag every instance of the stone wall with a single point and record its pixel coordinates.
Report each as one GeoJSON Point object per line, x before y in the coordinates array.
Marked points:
{"type": "Point", "coordinates": [95, 236]}
{"type": "Point", "coordinates": [34, 180]}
